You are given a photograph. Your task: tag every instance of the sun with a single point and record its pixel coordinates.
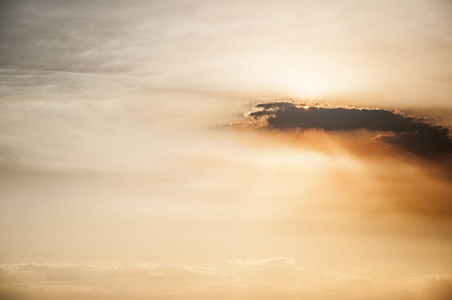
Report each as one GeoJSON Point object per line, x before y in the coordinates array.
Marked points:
{"type": "Point", "coordinates": [306, 85]}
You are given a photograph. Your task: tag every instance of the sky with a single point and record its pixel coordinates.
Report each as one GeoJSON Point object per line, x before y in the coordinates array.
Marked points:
{"type": "Point", "coordinates": [226, 149]}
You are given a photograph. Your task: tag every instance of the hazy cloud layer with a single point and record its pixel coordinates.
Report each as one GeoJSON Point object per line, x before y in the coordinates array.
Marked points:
{"type": "Point", "coordinates": [160, 281]}
{"type": "Point", "coordinates": [405, 132]}
{"type": "Point", "coordinates": [297, 48]}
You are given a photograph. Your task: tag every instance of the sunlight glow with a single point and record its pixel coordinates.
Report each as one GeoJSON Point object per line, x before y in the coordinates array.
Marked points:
{"type": "Point", "coordinates": [307, 85]}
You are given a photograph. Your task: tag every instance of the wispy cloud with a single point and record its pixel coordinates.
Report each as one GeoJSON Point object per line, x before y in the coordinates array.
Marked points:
{"type": "Point", "coordinates": [279, 261]}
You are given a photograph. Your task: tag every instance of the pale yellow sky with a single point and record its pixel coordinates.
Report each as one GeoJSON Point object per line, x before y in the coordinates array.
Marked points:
{"type": "Point", "coordinates": [127, 170]}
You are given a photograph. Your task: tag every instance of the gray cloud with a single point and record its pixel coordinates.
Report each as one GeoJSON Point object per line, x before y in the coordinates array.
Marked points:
{"type": "Point", "coordinates": [404, 132]}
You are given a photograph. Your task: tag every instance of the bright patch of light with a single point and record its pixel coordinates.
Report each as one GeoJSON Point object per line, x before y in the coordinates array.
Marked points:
{"type": "Point", "coordinates": [308, 85]}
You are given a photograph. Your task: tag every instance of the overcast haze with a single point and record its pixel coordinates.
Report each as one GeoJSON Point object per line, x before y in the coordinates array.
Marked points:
{"type": "Point", "coordinates": [225, 149]}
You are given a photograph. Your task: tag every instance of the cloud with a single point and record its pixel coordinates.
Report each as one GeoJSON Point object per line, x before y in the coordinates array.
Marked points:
{"type": "Point", "coordinates": [279, 261]}
{"type": "Point", "coordinates": [145, 281]}
{"type": "Point", "coordinates": [407, 133]}
{"type": "Point", "coordinates": [78, 272]}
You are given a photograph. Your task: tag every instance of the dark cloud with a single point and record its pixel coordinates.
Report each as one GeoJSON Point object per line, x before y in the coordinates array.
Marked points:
{"type": "Point", "coordinates": [404, 132]}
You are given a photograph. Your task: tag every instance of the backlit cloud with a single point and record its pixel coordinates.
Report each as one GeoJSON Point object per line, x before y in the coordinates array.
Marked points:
{"type": "Point", "coordinates": [404, 132]}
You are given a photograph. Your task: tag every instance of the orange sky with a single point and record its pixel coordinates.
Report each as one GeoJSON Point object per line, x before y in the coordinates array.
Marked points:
{"type": "Point", "coordinates": [128, 168]}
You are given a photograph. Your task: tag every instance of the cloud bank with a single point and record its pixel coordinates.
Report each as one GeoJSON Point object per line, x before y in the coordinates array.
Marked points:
{"type": "Point", "coordinates": [160, 281]}
{"type": "Point", "coordinates": [408, 133]}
